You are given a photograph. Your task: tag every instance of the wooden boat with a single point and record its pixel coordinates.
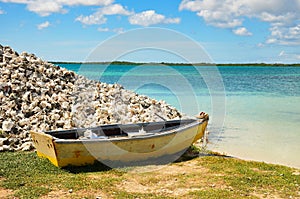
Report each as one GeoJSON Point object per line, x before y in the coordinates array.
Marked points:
{"type": "Point", "coordinates": [120, 145]}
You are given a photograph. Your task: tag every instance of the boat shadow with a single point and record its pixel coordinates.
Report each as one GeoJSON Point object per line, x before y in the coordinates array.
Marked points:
{"type": "Point", "coordinates": [192, 153]}
{"type": "Point", "coordinates": [96, 167]}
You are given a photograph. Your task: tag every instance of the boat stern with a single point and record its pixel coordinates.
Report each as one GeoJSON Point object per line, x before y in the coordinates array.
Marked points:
{"type": "Point", "coordinates": [45, 147]}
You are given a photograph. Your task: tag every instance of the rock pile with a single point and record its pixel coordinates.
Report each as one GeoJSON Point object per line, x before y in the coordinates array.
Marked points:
{"type": "Point", "coordinates": [39, 96]}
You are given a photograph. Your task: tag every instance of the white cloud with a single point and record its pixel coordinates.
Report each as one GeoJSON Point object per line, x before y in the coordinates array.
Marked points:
{"type": "Point", "coordinates": [16, 1]}
{"type": "Point", "coordinates": [150, 17]}
{"type": "Point", "coordinates": [86, 2]}
{"type": "Point", "coordinates": [271, 41]}
{"type": "Point", "coordinates": [284, 35]}
{"type": "Point", "coordinates": [47, 7]}
{"type": "Point", "coordinates": [103, 29]}
{"type": "Point", "coordinates": [91, 19]}
{"type": "Point", "coordinates": [277, 19]}
{"type": "Point", "coordinates": [114, 9]}
{"type": "Point", "coordinates": [218, 13]}
{"type": "Point", "coordinates": [116, 30]}
{"type": "Point", "coordinates": [283, 17]}
{"type": "Point", "coordinates": [1, 12]}
{"type": "Point", "coordinates": [99, 16]}
{"type": "Point", "coordinates": [41, 26]}
{"type": "Point", "coordinates": [291, 57]}
{"type": "Point", "coordinates": [242, 31]}
{"type": "Point", "coordinates": [281, 53]}
{"type": "Point", "coordinates": [172, 20]}
{"type": "Point", "coordinates": [260, 45]}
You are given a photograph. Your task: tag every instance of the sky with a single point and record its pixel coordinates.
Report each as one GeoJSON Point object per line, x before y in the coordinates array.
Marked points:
{"type": "Point", "coordinates": [229, 31]}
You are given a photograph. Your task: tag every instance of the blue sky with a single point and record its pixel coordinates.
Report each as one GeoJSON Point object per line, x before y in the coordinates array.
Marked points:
{"type": "Point", "coordinates": [230, 31]}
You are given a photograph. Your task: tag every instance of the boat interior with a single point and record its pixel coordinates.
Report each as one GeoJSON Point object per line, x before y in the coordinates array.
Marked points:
{"type": "Point", "coordinates": [119, 130]}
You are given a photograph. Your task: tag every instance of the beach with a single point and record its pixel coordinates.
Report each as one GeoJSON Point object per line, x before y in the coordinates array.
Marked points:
{"type": "Point", "coordinates": [106, 99]}
{"type": "Point", "coordinates": [261, 120]}
{"type": "Point", "coordinates": [262, 113]}
{"type": "Point", "coordinates": [260, 123]}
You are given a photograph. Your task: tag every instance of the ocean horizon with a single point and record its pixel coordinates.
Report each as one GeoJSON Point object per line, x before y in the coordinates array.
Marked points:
{"type": "Point", "coordinates": [262, 114]}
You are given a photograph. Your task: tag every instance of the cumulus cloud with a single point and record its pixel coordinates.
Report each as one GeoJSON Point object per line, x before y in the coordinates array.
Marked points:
{"type": "Point", "coordinates": [146, 18]}
{"type": "Point", "coordinates": [91, 19]}
{"type": "Point", "coordinates": [99, 16]}
{"type": "Point", "coordinates": [150, 17]}
{"type": "Point", "coordinates": [41, 26]}
{"type": "Point", "coordinates": [86, 2]}
{"type": "Point", "coordinates": [283, 17]}
{"type": "Point", "coordinates": [242, 31]}
{"type": "Point", "coordinates": [107, 7]}
{"type": "Point", "coordinates": [284, 35]}
{"type": "Point", "coordinates": [47, 7]}
{"type": "Point", "coordinates": [16, 1]}
{"type": "Point", "coordinates": [114, 9]}
{"type": "Point", "coordinates": [218, 13]}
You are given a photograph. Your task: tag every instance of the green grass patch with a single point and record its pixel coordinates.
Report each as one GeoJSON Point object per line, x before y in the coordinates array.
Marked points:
{"type": "Point", "coordinates": [210, 176]}
{"type": "Point", "coordinates": [215, 193]}
{"type": "Point", "coordinates": [250, 176]}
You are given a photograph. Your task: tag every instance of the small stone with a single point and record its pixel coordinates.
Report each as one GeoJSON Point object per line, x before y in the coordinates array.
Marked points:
{"type": "Point", "coordinates": [28, 139]}
{"type": "Point", "coordinates": [27, 146]}
{"type": "Point", "coordinates": [6, 147]}
{"type": "Point", "coordinates": [24, 135]}
{"type": "Point", "coordinates": [70, 190]}
{"type": "Point", "coordinates": [4, 141]}
{"type": "Point", "coordinates": [13, 141]}
{"type": "Point", "coordinates": [24, 122]}
{"type": "Point", "coordinates": [65, 105]}
{"type": "Point", "coordinates": [7, 125]}
{"type": "Point", "coordinates": [296, 173]}
{"type": "Point", "coordinates": [45, 104]}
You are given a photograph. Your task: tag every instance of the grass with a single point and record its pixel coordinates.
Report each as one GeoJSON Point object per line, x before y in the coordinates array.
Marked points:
{"type": "Point", "coordinates": [24, 175]}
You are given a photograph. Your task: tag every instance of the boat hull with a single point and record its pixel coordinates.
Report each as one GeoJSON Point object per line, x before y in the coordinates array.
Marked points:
{"type": "Point", "coordinates": [117, 152]}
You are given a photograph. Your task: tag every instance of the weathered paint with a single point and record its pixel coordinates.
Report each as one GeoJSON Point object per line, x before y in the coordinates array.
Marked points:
{"type": "Point", "coordinates": [82, 152]}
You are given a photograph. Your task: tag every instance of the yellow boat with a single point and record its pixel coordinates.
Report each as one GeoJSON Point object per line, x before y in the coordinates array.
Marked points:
{"type": "Point", "coordinates": [120, 144]}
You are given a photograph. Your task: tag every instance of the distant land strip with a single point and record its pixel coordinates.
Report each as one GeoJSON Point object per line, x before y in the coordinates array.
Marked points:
{"type": "Point", "coordinates": [178, 64]}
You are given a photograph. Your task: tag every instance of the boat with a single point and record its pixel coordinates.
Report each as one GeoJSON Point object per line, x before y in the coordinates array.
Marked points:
{"type": "Point", "coordinates": [119, 145]}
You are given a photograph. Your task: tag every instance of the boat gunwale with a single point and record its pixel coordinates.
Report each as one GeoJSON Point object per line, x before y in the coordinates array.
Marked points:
{"type": "Point", "coordinates": [180, 129]}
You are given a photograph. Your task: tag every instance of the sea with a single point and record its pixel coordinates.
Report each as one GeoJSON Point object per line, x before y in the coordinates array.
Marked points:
{"type": "Point", "coordinates": [254, 110]}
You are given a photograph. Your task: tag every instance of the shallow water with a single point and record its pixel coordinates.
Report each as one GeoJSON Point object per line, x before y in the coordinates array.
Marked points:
{"type": "Point", "coordinates": [262, 117]}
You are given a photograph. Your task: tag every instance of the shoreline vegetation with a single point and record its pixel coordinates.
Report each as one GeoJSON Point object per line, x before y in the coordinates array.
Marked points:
{"type": "Point", "coordinates": [180, 64]}
{"type": "Point", "coordinates": [206, 175]}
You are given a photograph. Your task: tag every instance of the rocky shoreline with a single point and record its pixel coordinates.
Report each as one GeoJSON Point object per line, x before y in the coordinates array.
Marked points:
{"type": "Point", "coordinates": [39, 96]}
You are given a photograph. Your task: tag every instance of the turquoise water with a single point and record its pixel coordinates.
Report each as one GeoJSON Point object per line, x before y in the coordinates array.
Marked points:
{"type": "Point", "coordinates": [262, 104]}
